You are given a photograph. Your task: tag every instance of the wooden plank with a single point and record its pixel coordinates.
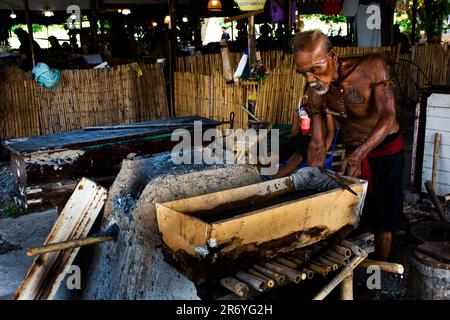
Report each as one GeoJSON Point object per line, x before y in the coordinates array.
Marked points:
{"type": "Point", "coordinates": [47, 271]}
{"type": "Point", "coordinates": [439, 100]}
{"type": "Point", "coordinates": [443, 177]}
{"type": "Point", "coordinates": [437, 123]}
{"type": "Point", "coordinates": [439, 112]}
{"type": "Point", "coordinates": [443, 164]}
{"type": "Point", "coordinates": [444, 150]}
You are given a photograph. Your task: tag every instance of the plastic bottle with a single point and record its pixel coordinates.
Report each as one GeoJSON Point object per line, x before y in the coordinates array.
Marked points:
{"type": "Point", "coordinates": [305, 121]}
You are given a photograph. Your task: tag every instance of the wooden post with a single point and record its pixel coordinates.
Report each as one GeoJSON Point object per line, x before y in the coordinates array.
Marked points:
{"type": "Point", "coordinates": [289, 23]}
{"type": "Point", "coordinates": [413, 22]}
{"type": "Point", "coordinates": [30, 30]}
{"type": "Point", "coordinates": [93, 27]}
{"type": "Point", "coordinates": [251, 44]}
{"type": "Point", "coordinates": [173, 55]}
{"type": "Point", "coordinates": [437, 142]}
{"type": "Point", "coordinates": [227, 72]}
{"type": "Point", "coordinates": [346, 287]}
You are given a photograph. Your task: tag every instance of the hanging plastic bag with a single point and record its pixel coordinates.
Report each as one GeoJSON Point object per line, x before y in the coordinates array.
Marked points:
{"type": "Point", "coordinates": [45, 76]}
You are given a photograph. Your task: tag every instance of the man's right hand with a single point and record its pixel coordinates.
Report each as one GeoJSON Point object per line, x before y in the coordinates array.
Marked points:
{"type": "Point", "coordinates": [317, 153]}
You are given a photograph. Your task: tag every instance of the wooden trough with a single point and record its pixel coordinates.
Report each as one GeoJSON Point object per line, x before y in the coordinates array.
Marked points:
{"type": "Point", "coordinates": [212, 235]}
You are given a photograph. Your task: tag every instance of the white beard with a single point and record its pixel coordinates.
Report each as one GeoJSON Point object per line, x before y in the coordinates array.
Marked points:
{"type": "Point", "coordinates": [320, 92]}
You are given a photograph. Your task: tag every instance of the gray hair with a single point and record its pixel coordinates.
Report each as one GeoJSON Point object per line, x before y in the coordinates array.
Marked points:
{"type": "Point", "coordinates": [303, 39]}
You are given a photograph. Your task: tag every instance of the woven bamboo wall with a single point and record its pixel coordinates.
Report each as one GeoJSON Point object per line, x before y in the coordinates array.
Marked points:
{"type": "Point", "coordinates": [83, 98]}
{"type": "Point", "coordinates": [433, 60]}
{"type": "Point", "coordinates": [210, 97]}
{"type": "Point", "coordinates": [212, 63]}
{"type": "Point", "coordinates": [279, 95]}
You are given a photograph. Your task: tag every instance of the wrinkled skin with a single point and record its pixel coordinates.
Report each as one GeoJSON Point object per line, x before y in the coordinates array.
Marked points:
{"type": "Point", "coordinates": [370, 106]}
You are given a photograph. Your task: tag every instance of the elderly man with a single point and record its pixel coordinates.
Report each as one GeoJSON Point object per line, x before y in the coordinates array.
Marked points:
{"type": "Point", "coordinates": [358, 92]}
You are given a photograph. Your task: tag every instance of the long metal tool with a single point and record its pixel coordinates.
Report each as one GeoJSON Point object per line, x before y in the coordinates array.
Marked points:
{"type": "Point", "coordinates": [337, 179]}
{"type": "Point", "coordinates": [108, 235]}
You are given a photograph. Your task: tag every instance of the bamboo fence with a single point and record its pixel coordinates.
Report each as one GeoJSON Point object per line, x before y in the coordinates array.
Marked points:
{"type": "Point", "coordinates": [212, 63]}
{"type": "Point", "coordinates": [280, 93]}
{"type": "Point", "coordinates": [83, 98]}
{"type": "Point", "coordinates": [432, 60]}
{"type": "Point", "coordinates": [208, 96]}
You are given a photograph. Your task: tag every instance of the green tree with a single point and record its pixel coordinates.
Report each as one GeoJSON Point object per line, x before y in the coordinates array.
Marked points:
{"type": "Point", "coordinates": [35, 27]}
{"type": "Point", "coordinates": [432, 14]}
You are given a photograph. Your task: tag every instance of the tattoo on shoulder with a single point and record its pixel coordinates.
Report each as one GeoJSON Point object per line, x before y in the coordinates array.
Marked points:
{"type": "Point", "coordinates": [354, 97]}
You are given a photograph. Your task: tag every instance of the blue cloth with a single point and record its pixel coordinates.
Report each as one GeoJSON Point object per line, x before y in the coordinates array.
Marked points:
{"type": "Point", "coordinates": [45, 76]}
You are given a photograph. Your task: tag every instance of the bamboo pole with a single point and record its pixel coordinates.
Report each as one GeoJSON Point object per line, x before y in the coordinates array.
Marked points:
{"type": "Point", "coordinates": [252, 281]}
{"type": "Point", "coordinates": [354, 262]}
{"type": "Point", "coordinates": [437, 142]}
{"type": "Point", "coordinates": [237, 287]}
{"type": "Point", "coordinates": [346, 287]}
{"type": "Point", "coordinates": [68, 245]}
{"type": "Point", "coordinates": [384, 266]}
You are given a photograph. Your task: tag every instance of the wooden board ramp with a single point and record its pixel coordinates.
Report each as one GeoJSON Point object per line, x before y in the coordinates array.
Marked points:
{"type": "Point", "coordinates": [75, 221]}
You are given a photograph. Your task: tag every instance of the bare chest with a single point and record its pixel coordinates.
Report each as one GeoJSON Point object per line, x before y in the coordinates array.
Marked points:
{"type": "Point", "coordinates": [355, 101]}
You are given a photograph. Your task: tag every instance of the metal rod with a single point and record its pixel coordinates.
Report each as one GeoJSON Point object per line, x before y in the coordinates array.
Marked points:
{"type": "Point", "coordinates": [151, 125]}
{"type": "Point", "coordinates": [237, 287]}
{"type": "Point", "coordinates": [354, 262]}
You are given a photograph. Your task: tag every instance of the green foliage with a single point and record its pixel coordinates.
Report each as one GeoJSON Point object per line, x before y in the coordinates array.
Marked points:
{"type": "Point", "coordinates": [9, 208]}
{"type": "Point", "coordinates": [405, 24]}
{"type": "Point", "coordinates": [35, 27]}
{"type": "Point", "coordinates": [432, 15]}
{"type": "Point", "coordinates": [327, 18]}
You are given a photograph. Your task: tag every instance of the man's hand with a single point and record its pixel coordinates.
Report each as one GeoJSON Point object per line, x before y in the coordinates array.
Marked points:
{"type": "Point", "coordinates": [351, 166]}
{"type": "Point", "coordinates": [317, 153]}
